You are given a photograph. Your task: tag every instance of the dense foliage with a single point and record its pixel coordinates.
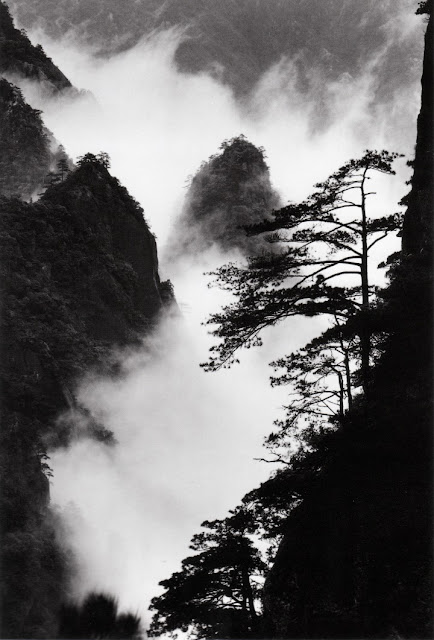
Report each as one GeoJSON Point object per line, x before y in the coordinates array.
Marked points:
{"type": "Point", "coordinates": [98, 617]}
{"type": "Point", "coordinates": [26, 144]}
{"type": "Point", "coordinates": [425, 7]}
{"type": "Point", "coordinates": [70, 285]}
{"type": "Point", "coordinates": [214, 594]}
{"type": "Point", "coordinates": [33, 566]}
{"type": "Point", "coordinates": [79, 274]}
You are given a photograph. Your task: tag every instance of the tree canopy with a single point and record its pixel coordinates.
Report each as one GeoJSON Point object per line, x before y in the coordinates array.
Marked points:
{"type": "Point", "coordinates": [215, 593]}
{"type": "Point", "coordinates": [102, 158]}
{"type": "Point", "coordinates": [329, 235]}
{"type": "Point", "coordinates": [98, 617]}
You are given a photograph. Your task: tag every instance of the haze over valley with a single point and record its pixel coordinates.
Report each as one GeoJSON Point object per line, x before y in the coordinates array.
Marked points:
{"type": "Point", "coordinates": [213, 115]}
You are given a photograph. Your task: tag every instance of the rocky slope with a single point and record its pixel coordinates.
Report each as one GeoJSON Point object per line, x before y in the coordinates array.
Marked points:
{"type": "Point", "coordinates": [29, 150]}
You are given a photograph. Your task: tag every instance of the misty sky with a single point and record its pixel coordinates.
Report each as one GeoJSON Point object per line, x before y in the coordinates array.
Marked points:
{"type": "Point", "coordinates": [188, 439]}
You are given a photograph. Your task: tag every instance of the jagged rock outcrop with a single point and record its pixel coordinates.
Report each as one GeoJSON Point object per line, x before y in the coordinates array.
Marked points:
{"type": "Point", "coordinates": [19, 57]}
{"type": "Point", "coordinates": [230, 191]}
{"type": "Point", "coordinates": [356, 559]}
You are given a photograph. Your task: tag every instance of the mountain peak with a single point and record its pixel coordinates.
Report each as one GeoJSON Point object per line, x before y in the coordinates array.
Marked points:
{"type": "Point", "coordinates": [230, 191]}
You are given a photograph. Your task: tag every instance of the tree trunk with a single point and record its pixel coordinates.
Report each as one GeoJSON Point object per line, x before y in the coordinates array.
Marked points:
{"type": "Point", "coordinates": [365, 338]}
{"type": "Point", "coordinates": [348, 379]}
{"type": "Point", "coordinates": [248, 593]}
{"type": "Point", "coordinates": [341, 394]}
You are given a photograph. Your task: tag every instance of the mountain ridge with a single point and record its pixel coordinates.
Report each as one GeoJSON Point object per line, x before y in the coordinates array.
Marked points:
{"type": "Point", "coordinates": [19, 57]}
{"type": "Point", "coordinates": [240, 41]}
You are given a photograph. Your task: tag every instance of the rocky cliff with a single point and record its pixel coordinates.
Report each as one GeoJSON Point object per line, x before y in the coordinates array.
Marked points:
{"type": "Point", "coordinates": [29, 150]}
{"type": "Point", "coordinates": [418, 225]}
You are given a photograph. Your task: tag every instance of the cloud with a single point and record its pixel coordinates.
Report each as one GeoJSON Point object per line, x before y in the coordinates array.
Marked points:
{"type": "Point", "coordinates": [187, 439]}
{"type": "Point", "coordinates": [158, 124]}
{"type": "Point", "coordinates": [186, 443]}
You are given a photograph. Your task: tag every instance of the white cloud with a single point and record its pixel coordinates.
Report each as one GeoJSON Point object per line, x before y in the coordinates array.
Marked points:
{"type": "Point", "coordinates": [186, 443]}
{"type": "Point", "coordinates": [187, 439]}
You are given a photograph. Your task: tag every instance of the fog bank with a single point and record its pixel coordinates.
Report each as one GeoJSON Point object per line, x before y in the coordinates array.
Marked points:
{"type": "Point", "coordinates": [186, 439]}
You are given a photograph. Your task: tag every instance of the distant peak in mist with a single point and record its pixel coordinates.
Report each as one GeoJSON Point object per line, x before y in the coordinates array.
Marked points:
{"type": "Point", "coordinates": [237, 42]}
{"type": "Point", "coordinates": [230, 191]}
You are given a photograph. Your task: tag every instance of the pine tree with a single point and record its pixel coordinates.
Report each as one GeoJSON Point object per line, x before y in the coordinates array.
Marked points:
{"type": "Point", "coordinates": [215, 593]}
{"type": "Point", "coordinates": [63, 169]}
{"type": "Point", "coordinates": [328, 236]}
{"type": "Point", "coordinates": [98, 617]}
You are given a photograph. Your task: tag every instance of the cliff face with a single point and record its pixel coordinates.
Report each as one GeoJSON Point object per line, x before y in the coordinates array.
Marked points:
{"type": "Point", "coordinates": [18, 57]}
{"type": "Point", "coordinates": [418, 224]}
{"type": "Point", "coordinates": [28, 149]}
{"type": "Point", "coordinates": [112, 225]}
{"type": "Point", "coordinates": [231, 190]}
{"type": "Point", "coordinates": [80, 275]}
{"type": "Point", "coordinates": [356, 557]}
